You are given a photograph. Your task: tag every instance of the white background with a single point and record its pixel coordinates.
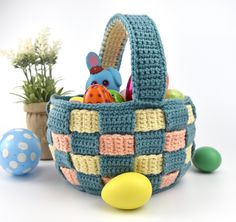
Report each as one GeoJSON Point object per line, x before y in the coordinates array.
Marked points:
{"type": "Point", "coordinates": [199, 39]}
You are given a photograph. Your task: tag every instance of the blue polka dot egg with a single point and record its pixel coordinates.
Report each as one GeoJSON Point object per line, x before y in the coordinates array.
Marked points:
{"type": "Point", "coordinates": [20, 151]}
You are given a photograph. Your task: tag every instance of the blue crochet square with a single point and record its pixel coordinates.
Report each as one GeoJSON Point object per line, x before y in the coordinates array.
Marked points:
{"type": "Point", "coordinates": [173, 161]}
{"type": "Point", "coordinates": [90, 183]}
{"type": "Point", "coordinates": [63, 159]}
{"type": "Point", "coordinates": [149, 142]}
{"type": "Point", "coordinates": [117, 120]}
{"type": "Point", "coordinates": [176, 115]}
{"type": "Point", "coordinates": [85, 143]}
{"type": "Point", "coordinates": [113, 165]}
{"type": "Point", "coordinates": [193, 148]}
{"type": "Point", "coordinates": [183, 171]}
{"type": "Point", "coordinates": [49, 136]}
{"type": "Point", "coordinates": [190, 134]}
{"type": "Point", "coordinates": [58, 120]}
{"type": "Point", "coordinates": [155, 181]}
{"type": "Point", "coordinates": [57, 166]}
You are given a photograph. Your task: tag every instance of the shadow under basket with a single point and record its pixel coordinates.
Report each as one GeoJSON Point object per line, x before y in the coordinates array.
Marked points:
{"type": "Point", "coordinates": [92, 143]}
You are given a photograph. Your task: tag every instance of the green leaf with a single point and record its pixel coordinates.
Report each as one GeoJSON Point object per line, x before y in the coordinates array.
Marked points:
{"type": "Point", "coordinates": [60, 91]}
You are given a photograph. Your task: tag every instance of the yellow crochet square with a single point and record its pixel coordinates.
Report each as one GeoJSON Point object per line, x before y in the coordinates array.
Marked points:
{"type": "Point", "coordinates": [86, 164]}
{"type": "Point", "coordinates": [191, 117]}
{"type": "Point", "coordinates": [188, 154]}
{"type": "Point", "coordinates": [149, 119]}
{"type": "Point", "coordinates": [52, 150]}
{"type": "Point", "coordinates": [150, 164]}
{"type": "Point", "coordinates": [84, 121]}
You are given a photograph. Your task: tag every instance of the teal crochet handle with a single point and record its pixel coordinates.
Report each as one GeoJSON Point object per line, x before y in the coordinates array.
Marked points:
{"type": "Point", "coordinates": [147, 54]}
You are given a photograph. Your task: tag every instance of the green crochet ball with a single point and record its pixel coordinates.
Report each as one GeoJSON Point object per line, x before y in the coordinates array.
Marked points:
{"type": "Point", "coordinates": [206, 159]}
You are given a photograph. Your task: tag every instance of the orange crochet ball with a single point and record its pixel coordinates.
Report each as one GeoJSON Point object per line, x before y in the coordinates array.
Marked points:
{"type": "Point", "coordinates": [97, 94]}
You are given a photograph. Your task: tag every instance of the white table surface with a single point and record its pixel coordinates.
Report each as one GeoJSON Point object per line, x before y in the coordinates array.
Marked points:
{"type": "Point", "coordinates": [43, 195]}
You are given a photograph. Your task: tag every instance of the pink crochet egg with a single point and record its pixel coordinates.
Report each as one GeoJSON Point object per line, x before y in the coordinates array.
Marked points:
{"type": "Point", "coordinates": [129, 90]}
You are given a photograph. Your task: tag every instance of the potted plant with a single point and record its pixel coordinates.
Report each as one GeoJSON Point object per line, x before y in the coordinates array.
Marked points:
{"type": "Point", "coordinates": [36, 60]}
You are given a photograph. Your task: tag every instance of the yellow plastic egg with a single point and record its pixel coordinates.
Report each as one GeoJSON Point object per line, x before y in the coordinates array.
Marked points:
{"type": "Point", "coordinates": [127, 191]}
{"type": "Point", "coordinates": [77, 99]}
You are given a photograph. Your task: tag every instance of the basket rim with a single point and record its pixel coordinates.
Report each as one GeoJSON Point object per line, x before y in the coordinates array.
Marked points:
{"type": "Point", "coordinates": [63, 102]}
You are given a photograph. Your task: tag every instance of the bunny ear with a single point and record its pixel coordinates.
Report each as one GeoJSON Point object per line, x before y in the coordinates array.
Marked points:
{"type": "Point", "coordinates": [92, 60]}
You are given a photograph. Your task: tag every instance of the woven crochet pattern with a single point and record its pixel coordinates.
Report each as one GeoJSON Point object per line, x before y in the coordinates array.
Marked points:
{"type": "Point", "coordinates": [92, 143]}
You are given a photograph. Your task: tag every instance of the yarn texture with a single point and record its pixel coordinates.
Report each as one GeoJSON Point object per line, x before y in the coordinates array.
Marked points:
{"type": "Point", "coordinates": [92, 143]}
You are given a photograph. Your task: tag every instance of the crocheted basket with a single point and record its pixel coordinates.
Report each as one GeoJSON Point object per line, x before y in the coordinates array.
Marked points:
{"type": "Point", "coordinates": [92, 143]}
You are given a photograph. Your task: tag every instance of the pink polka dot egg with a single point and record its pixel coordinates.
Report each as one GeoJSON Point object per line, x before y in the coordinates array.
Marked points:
{"type": "Point", "coordinates": [20, 151]}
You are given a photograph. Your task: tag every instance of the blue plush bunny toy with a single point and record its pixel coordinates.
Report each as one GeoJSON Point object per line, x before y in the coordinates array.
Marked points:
{"type": "Point", "coordinates": [110, 77]}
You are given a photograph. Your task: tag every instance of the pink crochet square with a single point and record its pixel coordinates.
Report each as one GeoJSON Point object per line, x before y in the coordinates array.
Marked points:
{"type": "Point", "coordinates": [175, 140]}
{"type": "Point", "coordinates": [70, 175]}
{"type": "Point", "coordinates": [106, 179]}
{"type": "Point", "coordinates": [168, 179]}
{"type": "Point", "coordinates": [116, 144]}
{"type": "Point", "coordinates": [61, 142]}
